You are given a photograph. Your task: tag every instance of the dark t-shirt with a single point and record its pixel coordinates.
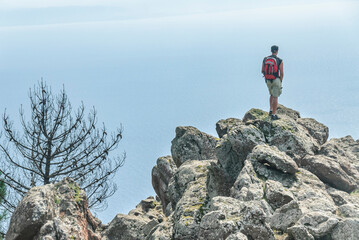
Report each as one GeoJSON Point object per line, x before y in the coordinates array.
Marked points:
{"type": "Point", "coordinates": [279, 61]}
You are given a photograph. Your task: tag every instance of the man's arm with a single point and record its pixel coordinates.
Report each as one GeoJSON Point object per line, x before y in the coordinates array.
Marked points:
{"type": "Point", "coordinates": [263, 68]}
{"type": "Point", "coordinates": [281, 71]}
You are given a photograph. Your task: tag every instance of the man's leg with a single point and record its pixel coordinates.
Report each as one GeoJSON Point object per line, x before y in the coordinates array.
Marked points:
{"type": "Point", "coordinates": [271, 103]}
{"type": "Point", "coordinates": [274, 104]}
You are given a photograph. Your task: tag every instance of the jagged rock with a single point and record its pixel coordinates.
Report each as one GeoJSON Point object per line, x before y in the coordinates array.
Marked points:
{"type": "Point", "coordinates": [291, 138]}
{"type": "Point", "coordinates": [345, 147]}
{"type": "Point", "coordinates": [282, 110]}
{"type": "Point", "coordinates": [248, 186]}
{"type": "Point", "coordinates": [266, 171]}
{"type": "Point", "coordinates": [286, 216]}
{"type": "Point", "coordinates": [274, 158]}
{"type": "Point", "coordinates": [329, 171]}
{"type": "Point", "coordinates": [226, 212]}
{"type": "Point", "coordinates": [138, 224]}
{"type": "Point", "coordinates": [228, 215]}
{"type": "Point", "coordinates": [53, 211]}
{"type": "Point", "coordinates": [299, 233]}
{"type": "Point", "coordinates": [339, 197]}
{"type": "Point", "coordinates": [237, 236]}
{"type": "Point", "coordinates": [191, 171]}
{"type": "Point", "coordinates": [286, 134]}
{"type": "Point", "coordinates": [254, 223]}
{"type": "Point", "coordinates": [234, 147]}
{"type": "Point", "coordinates": [162, 231]}
{"type": "Point", "coordinates": [347, 229]}
{"type": "Point", "coordinates": [189, 198]}
{"type": "Point", "coordinates": [224, 126]}
{"type": "Point", "coordinates": [348, 210]}
{"type": "Point", "coordinates": [161, 175]}
{"type": "Point", "coordinates": [192, 144]}
{"type": "Point", "coordinates": [311, 193]}
{"type": "Point", "coordinates": [213, 227]}
{"type": "Point", "coordinates": [255, 114]}
{"type": "Point", "coordinates": [218, 181]}
{"type": "Point", "coordinates": [124, 227]}
{"type": "Point", "coordinates": [317, 130]}
{"type": "Point", "coordinates": [276, 195]}
{"type": "Point", "coordinates": [345, 152]}
{"type": "Point", "coordinates": [318, 224]}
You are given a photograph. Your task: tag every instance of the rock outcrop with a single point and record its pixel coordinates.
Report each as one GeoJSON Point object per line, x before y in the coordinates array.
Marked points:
{"type": "Point", "coordinates": [138, 224]}
{"type": "Point", "coordinates": [54, 211]}
{"type": "Point", "coordinates": [260, 180]}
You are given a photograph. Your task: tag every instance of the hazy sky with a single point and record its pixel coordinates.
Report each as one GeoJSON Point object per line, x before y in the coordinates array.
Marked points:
{"type": "Point", "coordinates": [155, 65]}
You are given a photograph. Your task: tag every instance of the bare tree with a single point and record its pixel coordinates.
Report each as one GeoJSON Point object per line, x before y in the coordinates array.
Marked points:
{"type": "Point", "coordinates": [2, 212]}
{"type": "Point", "coordinates": [58, 142]}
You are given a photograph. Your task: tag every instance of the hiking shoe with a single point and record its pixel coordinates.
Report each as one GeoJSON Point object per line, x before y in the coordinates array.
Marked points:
{"type": "Point", "coordinates": [274, 117]}
{"type": "Point", "coordinates": [270, 113]}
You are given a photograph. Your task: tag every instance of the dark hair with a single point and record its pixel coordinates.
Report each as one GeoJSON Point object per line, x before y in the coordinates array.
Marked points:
{"type": "Point", "coordinates": [274, 49]}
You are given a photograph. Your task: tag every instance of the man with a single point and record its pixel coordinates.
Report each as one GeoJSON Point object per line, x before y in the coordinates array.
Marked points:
{"type": "Point", "coordinates": [272, 69]}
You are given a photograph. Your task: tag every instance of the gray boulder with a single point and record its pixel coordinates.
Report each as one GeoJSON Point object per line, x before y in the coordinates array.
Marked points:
{"type": "Point", "coordinates": [277, 195]}
{"type": "Point", "coordinates": [254, 224]}
{"type": "Point", "coordinates": [348, 211]}
{"type": "Point", "coordinates": [290, 137]}
{"type": "Point", "coordinates": [227, 216]}
{"type": "Point", "coordinates": [162, 231]}
{"type": "Point", "coordinates": [347, 229]}
{"type": "Point", "coordinates": [189, 173]}
{"type": "Point", "coordinates": [161, 175]}
{"type": "Point", "coordinates": [254, 115]}
{"type": "Point", "coordinates": [237, 236]}
{"type": "Point", "coordinates": [329, 171]}
{"type": "Point", "coordinates": [222, 218]}
{"type": "Point", "coordinates": [219, 182]}
{"type": "Point", "coordinates": [274, 158]}
{"type": "Point", "coordinates": [286, 216]}
{"type": "Point", "coordinates": [311, 193]}
{"type": "Point", "coordinates": [282, 110]}
{"type": "Point", "coordinates": [318, 224]}
{"type": "Point", "coordinates": [234, 147]}
{"type": "Point", "coordinates": [192, 144]}
{"type": "Point", "coordinates": [344, 151]}
{"type": "Point", "coordinates": [247, 186]}
{"type": "Point", "coordinates": [299, 233]}
{"type": "Point", "coordinates": [286, 134]}
{"type": "Point", "coordinates": [189, 198]}
{"type": "Point", "coordinates": [215, 225]}
{"type": "Point", "coordinates": [54, 211]}
{"type": "Point", "coordinates": [345, 147]}
{"type": "Point", "coordinates": [138, 224]}
{"type": "Point", "coordinates": [224, 126]}
{"type": "Point", "coordinates": [317, 130]}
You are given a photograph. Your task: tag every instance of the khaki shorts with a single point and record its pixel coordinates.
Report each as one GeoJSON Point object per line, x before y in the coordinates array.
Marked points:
{"type": "Point", "coordinates": [275, 87]}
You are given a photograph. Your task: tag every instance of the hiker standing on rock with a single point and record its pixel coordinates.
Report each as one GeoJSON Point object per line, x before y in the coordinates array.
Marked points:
{"type": "Point", "coordinates": [272, 69]}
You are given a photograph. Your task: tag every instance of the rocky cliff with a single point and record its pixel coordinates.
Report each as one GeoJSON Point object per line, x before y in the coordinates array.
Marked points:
{"type": "Point", "coordinates": [260, 180]}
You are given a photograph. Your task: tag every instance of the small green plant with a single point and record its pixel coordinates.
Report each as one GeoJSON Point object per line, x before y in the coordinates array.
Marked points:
{"type": "Point", "coordinates": [57, 200]}
{"type": "Point", "coordinates": [355, 193]}
{"type": "Point", "coordinates": [78, 195]}
{"type": "Point", "coordinates": [279, 235]}
{"type": "Point", "coordinates": [77, 192]}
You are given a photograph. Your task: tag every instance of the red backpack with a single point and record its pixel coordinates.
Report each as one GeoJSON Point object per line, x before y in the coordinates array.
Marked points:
{"type": "Point", "coordinates": [270, 68]}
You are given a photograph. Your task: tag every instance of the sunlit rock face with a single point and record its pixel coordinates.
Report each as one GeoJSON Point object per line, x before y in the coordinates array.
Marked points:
{"type": "Point", "coordinates": [54, 211]}
{"type": "Point", "coordinates": [259, 179]}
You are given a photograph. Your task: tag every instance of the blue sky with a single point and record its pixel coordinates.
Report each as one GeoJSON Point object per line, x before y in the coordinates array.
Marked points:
{"type": "Point", "coordinates": [156, 65]}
